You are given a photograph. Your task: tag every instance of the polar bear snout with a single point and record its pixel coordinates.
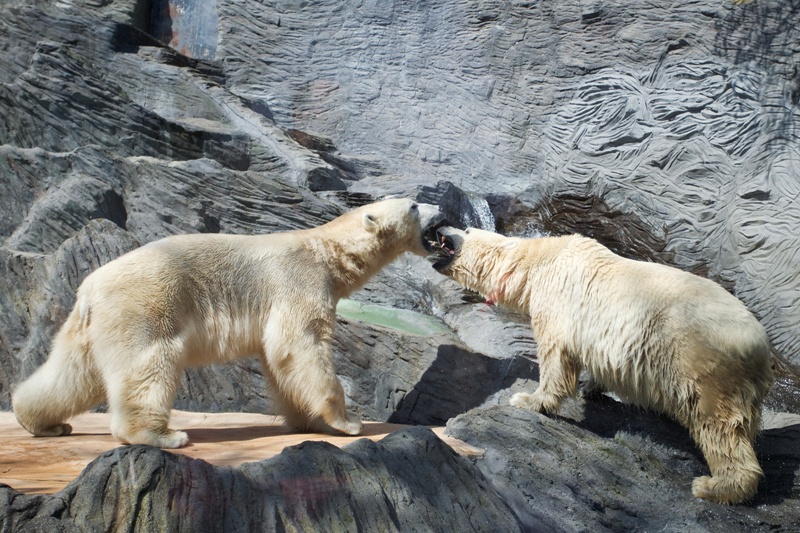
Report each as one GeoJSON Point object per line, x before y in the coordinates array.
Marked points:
{"type": "Point", "coordinates": [430, 219]}
{"type": "Point", "coordinates": [447, 243]}
{"type": "Point", "coordinates": [429, 215]}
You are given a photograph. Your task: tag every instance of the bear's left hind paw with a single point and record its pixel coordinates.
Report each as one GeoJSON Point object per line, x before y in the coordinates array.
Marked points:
{"type": "Point", "coordinates": [720, 490]}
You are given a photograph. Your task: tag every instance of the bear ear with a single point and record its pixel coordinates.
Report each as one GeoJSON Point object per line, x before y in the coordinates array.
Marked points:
{"type": "Point", "coordinates": [511, 244]}
{"type": "Point", "coordinates": [369, 221]}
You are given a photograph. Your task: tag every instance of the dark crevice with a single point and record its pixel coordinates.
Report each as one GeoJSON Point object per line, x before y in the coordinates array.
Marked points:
{"type": "Point", "coordinates": [128, 39]}
{"type": "Point", "coordinates": [624, 233]}
{"type": "Point", "coordinates": [111, 206]}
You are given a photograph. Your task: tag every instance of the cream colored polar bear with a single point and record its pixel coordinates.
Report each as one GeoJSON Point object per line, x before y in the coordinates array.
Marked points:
{"type": "Point", "coordinates": [193, 300]}
{"type": "Point", "coordinates": [655, 335]}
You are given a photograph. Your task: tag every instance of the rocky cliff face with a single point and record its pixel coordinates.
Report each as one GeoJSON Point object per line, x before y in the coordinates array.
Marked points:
{"type": "Point", "coordinates": [669, 132]}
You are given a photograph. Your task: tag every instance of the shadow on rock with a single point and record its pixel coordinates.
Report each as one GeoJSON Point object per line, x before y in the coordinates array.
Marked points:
{"type": "Point", "coordinates": [456, 381]}
{"type": "Point", "coordinates": [777, 449]}
{"type": "Point", "coordinates": [409, 481]}
{"type": "Point", "coordinates": [621, 468]}
{"type": "Point", "coordinates": [779, 454]}
{"type": "Point", "coordinates": [606, 418]}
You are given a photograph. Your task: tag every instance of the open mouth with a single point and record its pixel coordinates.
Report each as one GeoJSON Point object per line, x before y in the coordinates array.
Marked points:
{"type": "Point", "coordinates": [430, 237]}
{"type": "Point", "coordinates": [443, 250]}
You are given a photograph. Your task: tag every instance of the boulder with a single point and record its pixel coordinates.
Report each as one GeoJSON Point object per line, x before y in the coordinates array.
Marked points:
{"type": "Point", "coordinates": [409, 481]}
{"type": "Point", "coordinates": [603, 466]}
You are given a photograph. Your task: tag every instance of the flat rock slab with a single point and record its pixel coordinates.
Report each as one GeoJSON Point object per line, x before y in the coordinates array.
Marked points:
{"type": "Point", "coordinates": [47, 465]}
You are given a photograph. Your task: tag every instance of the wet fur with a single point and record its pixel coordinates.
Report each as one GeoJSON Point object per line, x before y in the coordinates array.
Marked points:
{"type": "Point", "coordinates": [656, 336]}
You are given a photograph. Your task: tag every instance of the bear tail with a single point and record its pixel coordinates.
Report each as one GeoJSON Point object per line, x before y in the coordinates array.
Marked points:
{"type": "Point", "coordinates": [65, 385]}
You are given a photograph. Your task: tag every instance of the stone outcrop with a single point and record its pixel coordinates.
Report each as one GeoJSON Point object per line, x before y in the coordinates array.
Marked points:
{"type": "Point", "coordinates": [668, 132]}
{"type": "Point", "coordinates": [608, 467]}
{"type": "Point", "coordinates": [313, 486]}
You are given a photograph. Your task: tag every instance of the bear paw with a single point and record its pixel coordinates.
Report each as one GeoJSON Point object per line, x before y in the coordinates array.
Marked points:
{"type": "Point", "coordinates": [534, 402]}
{"type": "Point", "coordinates": [352, 426]}
{"type": "Point", "coordinates": [722, 490]}
{"type": "Point", "coordinates": [521, 400]}
{"type": "Point", "coordinates": [174, 439]}
{"type": "Point", "coordinates": [705, 487]}
{"type": "Point", "coordinates": [57, 430]}
{"type": "Point", "coordinates": [165, 439]}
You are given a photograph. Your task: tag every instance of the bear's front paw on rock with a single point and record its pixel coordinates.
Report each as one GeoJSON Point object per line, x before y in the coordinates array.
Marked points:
{"type": "Point", "coordinates": [534, 402]}
{"type": "Point", "coordinates": [521, 400]}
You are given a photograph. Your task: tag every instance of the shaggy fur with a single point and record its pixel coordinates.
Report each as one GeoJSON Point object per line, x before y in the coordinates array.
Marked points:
{"type": "Point", "coordinates": [656, 336]}
{"type": "Point", "coordinates": [193, 300]}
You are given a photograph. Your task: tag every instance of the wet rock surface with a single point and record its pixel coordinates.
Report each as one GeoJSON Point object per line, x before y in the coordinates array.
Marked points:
{"type": "Point", "coordinates": [668, 132]}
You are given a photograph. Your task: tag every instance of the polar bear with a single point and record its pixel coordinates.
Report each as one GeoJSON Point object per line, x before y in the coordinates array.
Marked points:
{"type": "Point", "coordinates": [656, 336]}
{"type": "Point", "coordinates": [193, 300]}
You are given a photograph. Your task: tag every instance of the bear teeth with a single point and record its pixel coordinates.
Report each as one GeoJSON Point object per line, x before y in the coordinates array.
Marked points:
{"type": "Point", "coordinates": [441, 252]}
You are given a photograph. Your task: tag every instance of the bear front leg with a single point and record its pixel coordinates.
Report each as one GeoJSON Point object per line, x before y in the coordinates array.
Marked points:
{"type": "Point", "coordinates": [301, 370]}
{"type": "Point", "coordinates": [558, 379]}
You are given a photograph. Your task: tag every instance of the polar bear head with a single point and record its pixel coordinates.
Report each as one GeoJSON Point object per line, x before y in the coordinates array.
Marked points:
{"type": "Point", "coordinates": [406, 224]}
{"type": "Point", "coordinates": [474, 257]}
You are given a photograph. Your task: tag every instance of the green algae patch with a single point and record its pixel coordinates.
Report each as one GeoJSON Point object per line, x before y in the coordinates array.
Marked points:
{"type": "Point", "coordinates": [389, 317]}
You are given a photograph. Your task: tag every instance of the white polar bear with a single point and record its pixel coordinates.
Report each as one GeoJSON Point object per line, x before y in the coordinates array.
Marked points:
{"type": "Point", "coordinates": [655, 335]}
{"type": "Point", "coordinates": [193, 300]}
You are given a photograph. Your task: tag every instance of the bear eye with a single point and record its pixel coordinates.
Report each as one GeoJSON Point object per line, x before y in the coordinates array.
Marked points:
{"type": "Point", "coordinates": [467, 231]}
{"type": "Point", "coordinates": [414, 207]}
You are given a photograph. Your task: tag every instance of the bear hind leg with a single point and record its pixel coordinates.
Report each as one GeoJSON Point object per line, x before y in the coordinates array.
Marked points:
{"type": "Point", "coordinates": [140, 402]}
{"type": "Point", "coordinates": [67, 384]}
{"type": "Point", "coordinates": [735, 472]}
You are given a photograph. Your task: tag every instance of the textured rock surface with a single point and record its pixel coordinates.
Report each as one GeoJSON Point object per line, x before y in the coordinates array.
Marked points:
{"type": "Point", "coordinates": [669, 131]}
{"type": "Point", "coordinates": [621, 469]}
{"type": "Point", "coordinates": [313, 486]}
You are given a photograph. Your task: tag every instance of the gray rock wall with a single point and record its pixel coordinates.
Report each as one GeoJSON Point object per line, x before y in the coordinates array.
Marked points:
{"type": "Point", "coordinates": [684, 115]}
{"type": "Point", "coordinates": [680, 120]}
{"type": "Point", "coordinates": [668, 131]}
